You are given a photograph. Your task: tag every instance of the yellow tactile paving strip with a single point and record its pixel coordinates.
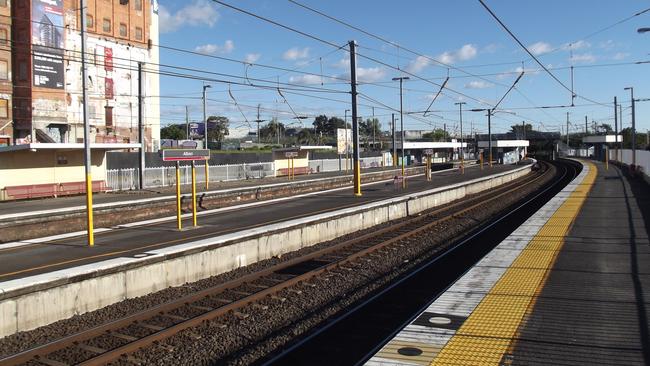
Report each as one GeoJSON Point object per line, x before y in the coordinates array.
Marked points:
{"type": "Point", "coordinates": [487, 333]}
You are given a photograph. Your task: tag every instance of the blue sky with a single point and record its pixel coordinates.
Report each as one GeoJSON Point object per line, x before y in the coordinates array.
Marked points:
{"type": "Point", "coordinates": [458, 33]}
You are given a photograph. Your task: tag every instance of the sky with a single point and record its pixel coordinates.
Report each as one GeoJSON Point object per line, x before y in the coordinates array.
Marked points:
{"type": "Point", "coordinates": [456, 39]}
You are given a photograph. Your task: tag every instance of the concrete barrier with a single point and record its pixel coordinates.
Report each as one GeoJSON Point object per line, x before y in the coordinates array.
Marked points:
{"type": "Point", "coordinates": [39, 300]}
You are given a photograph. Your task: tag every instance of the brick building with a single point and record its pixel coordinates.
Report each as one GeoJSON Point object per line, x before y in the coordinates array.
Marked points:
{"type": "Point", "coordinates": [47, 89]}
{"type": "Point", "coordinates": [6, 89]}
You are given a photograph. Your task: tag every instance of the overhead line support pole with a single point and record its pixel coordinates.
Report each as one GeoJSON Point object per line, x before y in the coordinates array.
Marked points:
{"type": "Point", "coordinates": [355, 121]}
{"type": "Point", "coordinates": [87, 152]}
{"type": "Point", "coordinates": [141, 123]}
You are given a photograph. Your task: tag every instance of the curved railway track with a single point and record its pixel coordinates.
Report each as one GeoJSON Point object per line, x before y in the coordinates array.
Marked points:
{"type": "Point", "coordinates": [118, 340]}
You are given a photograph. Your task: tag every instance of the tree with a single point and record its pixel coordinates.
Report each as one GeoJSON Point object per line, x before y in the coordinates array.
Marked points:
{"type": "Point", "coordinates": [173, 132]}
{"type": "Point", "coordinates": [217, 128]}
{"type": "Point", "coordinates": [272, 130]}
{"type": "Point", "coordinates": [305, 137]}
{"type": "Point", "coordinates": [320, 124]}
{"type": "Point", "coordinates": [436, 135]}
{"type": "Point", "coordinates": [518, 130]}
{"type": "Point", "coordinates": [332, 124]}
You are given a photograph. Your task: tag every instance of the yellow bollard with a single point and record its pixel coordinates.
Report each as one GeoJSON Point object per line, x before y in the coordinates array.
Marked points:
{"type": "Point", "coordinates": [207, 175]}
{"type": "Point", "coordinates": [179, 221]}
{"type": "Point", "coordinates": [193, 194]}
{"type": "Point", "coordinates": [89, 213]}
{"type": "Point", "coordinates": [606, 158]}
{"type": "Point", "coordinates": [481, 157]}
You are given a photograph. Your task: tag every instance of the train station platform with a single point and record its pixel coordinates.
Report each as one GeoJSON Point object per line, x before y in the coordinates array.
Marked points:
{"type": "Point", "coordinates": [571, 286]}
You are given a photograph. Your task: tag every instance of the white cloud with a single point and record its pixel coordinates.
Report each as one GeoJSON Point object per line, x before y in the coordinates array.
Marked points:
{"type": "Point", "coordinates": [540, 48]}
{"type": "Point", "coordinates": [607, 45]}
{"type": "Point", "coordinates": [620, 56]}
{"type": "Point", "coordinates": [305, 79]}
{"type": "Point", "coordinates": [576, 46]}
{"type": "Point", "coordinates": [252, 58]}
{"type": "Point", "coordinates": [295, 53]}
{"type": "Point", "coordinates": [211, 49]}
{"type": "Point", "coordinates": [418, 64]}
{"type": "Point", "coordinates": [478, 84]}
{"type": "Point", "coordinates": [198, 13]}
{"type": "Point", "coordinates": [491, 48]}
{"type": "Point", "coordinates": [343, 63]}
{"type": "Point", "coordinates": [584, 57]}
{"type": "Point", "coordinates": [370, 74]}
{"type": "Point", "coordinates": [465, 53]}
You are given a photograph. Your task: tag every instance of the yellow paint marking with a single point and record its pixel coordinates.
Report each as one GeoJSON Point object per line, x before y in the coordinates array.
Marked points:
{"type": "Point", "coordinates": [488, 332]}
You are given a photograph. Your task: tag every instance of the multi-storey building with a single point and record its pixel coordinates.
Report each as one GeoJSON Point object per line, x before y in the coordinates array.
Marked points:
{"type": "Point", "coordinates": [6, 121]}
{"type": "Point", "coordinates": [47, 70]}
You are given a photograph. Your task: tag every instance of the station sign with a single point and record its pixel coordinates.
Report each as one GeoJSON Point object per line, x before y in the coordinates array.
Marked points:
{"type": "Point", "coordinates": [291, 154]}
{"type": "Point", "coordinates": [428, 152]}
{"type": "Point", "coordinates": [185, 154]}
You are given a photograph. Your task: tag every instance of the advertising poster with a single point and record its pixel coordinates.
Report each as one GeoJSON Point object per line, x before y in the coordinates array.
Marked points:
{"type": "Point", "coordinates": [343, 142]}
{"type": "Point", "coordinates": [48, 43]}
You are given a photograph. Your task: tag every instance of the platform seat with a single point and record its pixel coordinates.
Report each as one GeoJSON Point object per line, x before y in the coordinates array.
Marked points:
{"type": "Point", "coordinates": [50, 190]}
{"type": "Point", "coordinates": [296, 171]}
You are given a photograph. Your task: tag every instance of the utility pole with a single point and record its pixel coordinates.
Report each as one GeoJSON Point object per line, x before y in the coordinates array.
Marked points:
{"type": "Point", "coordinates": [489, 113]}
{"type": "Point", "coordinates": [87, 156]}
{"type": "Point", "coordinates": [616, 126]}
{"type": "Point", "coordinates": [631, 89]}
{"type": "Point", "coordinates": [373, 128]}
{"type": "Point", "coordinates": [187, 122]}
{"type": "Point", "coordinates": [355, 120]}
{"type": "Point", "coordinates": [586, 132]}
{"type": "Point", "coordinates": [567, 129]}
{"type": "Point", "coordinates": [401, 120]}
{"type": "Point", "coordinates": [205, 135]}
{"type": "Point", "coordinates": [347, 147]}
{"type": "Point", "coordinates": [462, 150]}
{"type": "Point", "coordinates": [258, 120]}
{"type": "Point", "coordinates": [394, 146]}
{"type": "Point", "coordinates": [141, 122]}
{"type": "Point", "coordinates": [523, 129]}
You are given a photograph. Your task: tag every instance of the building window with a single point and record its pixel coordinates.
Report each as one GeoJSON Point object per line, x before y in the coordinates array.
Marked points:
{"type": "Point", "coordinates": [4, 70]}
{"type": "Point", "coordinates": [109, 116]}
{"type": "Point", "coordinates": [22, 71]}
{"type": "Point", "coordinates": [108, 92]}
{"type": "Point", "coordinates": [138, 5]}
{"type": "Point", "coordinates": [123, 32]}
{"type": "Point", "coordinates": [138, 33]}
{"type": "Point", "coordinates": [106, 25]}
{"type": "Point", "coordinates": [90, 21]}
{"type": "Point", "coordinates": [3, 35]}
{"type": "Point", "coordinates": [4, 108]}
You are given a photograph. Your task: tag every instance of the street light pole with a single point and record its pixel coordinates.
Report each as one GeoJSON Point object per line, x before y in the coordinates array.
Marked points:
{"type": "Point", "coordinates": [355, 119]}
{"type": "Point", "coordinates": [205, 136]}
{"type": "Point", "coordinates": [401, 119]}
{"type": "Point", "coordinates": [394, 146]}
{"type": "Point", "coordinates": [489, 113]}
{"type": "Point", "coordinates": [631, 89]}
{"type": "Point", "coordinates": [462, 150]}
{"type": "Point", "coordinates": [347, 147]}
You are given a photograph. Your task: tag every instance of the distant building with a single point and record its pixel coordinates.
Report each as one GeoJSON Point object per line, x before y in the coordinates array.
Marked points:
{"type": "Point", "coordinates": [47, 71]}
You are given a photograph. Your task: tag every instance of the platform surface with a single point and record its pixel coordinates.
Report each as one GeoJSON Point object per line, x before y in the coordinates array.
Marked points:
{"type": "Point", "coordinates": [571, 286]}
{"type": "Point", "coordinates": [132, 240]}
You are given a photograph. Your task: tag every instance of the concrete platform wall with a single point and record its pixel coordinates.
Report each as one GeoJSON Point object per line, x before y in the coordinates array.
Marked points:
{"type": "Point", "coordinates": [43, 299]}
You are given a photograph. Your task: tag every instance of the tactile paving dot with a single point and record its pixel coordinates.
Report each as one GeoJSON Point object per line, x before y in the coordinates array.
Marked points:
{"type": "Point", "coordinates": [409, 351]}
{"type": "Point", "coordinates": [439, 320]}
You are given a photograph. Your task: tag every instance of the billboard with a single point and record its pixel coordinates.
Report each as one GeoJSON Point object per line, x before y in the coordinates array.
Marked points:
{"type": "Point", "coordinates": [48, 43]}
{"type": "Point", "coordinates": [343, 144]}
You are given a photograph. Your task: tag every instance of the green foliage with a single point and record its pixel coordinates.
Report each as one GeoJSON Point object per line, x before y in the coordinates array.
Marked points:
{"type": "Point", "coordinates": [436, 135]}
{"type": "Point", "coordinates": [173, 132]}
{"type": "Point", "coordinates": [270, 132]}
{"type": "Point", "coordinates": [217, 128]}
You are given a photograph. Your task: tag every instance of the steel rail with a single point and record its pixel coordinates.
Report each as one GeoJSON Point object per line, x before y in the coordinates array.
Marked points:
{"type": "Point", "coordinates": [109, 355]}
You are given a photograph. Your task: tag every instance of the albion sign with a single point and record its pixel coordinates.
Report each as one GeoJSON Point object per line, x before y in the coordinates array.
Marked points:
{"type": "Point", "coordinates": [185, 154]}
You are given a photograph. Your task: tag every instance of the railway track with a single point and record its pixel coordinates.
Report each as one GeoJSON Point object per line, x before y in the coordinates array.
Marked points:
{"type": "Point", "coordinates": [118, 340]}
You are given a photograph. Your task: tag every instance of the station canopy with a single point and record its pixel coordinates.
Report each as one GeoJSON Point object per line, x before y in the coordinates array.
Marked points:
{"type": "Point", "coordinates": [602, 139]}
{"type": "Point", "coordinates": [504, 143]}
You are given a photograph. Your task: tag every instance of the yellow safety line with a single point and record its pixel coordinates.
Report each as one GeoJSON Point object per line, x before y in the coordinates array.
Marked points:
{"type": "Point", "coordinates": [487, 333]}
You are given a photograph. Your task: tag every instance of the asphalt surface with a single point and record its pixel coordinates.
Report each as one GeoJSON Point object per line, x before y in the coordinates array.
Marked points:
{"type": "Point", "coordinates": [595, 305]}
{"type": "Point", "coordinates": [133, 242]}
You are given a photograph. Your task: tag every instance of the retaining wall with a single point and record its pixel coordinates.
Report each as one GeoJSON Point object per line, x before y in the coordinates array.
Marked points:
{"type": "Point", "coordinates": [39, 300]}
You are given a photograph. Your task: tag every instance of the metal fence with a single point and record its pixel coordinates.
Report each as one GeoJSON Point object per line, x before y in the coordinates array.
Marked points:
{"type": "Point", "coordinates": [127, 179]}
{"type": "Point", "coordinates": [625, 157]}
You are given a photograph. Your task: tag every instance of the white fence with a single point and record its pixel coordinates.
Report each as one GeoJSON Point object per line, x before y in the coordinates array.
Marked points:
{"type": "Point", "coordinates": [625, 157]}
{"type": "Point", "coordinates": [129, 179]}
